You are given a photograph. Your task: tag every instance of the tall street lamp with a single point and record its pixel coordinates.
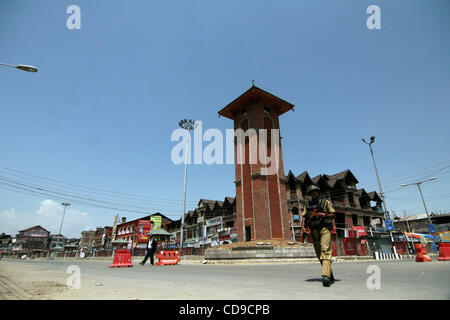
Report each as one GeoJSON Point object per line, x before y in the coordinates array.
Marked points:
{"type": "Point", "coordinates": [372, 140]}
{"type": "Point", "coordinates": [188, 125]}
{"type": "Point", "coordinates": [60, 227]}
{"type": "Point", "coordinates": [386, 213]}
{"type": "Point", "coordinates": [423, 201]}
{"type": "Point", "coordinates": [21, 67]}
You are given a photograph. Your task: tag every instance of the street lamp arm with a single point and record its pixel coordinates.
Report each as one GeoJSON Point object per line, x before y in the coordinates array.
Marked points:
{"type": "Point", "coordinates": [21, 67]}
{"type": "Point", "coordinates": [8, 65]}
{"type": "Point", "coordinates": [417, 183]}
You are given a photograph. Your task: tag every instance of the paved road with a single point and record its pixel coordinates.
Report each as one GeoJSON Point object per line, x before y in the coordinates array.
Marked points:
{"type": "Point", "coordinates": [398, 280]}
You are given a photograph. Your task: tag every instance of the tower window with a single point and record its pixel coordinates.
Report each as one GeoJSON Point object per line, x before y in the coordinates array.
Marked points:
{"type": "Point", "coordinates": [266, 110]}
{"type": "Point", "coordinates": [244, 112]}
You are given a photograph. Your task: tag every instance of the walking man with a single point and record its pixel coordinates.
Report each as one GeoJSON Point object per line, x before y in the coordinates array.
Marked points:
{"type": "Point", "coordinates": [151, 249]}
{"type": "Point", "coordinates": [318, 215]}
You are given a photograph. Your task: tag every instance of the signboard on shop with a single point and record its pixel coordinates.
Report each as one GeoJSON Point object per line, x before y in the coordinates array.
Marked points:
{"type": "Point", "coordinates": [144, 227]}
{"type": "Point", "coordinates": [113, 235]}
{"type": "Point", "coordinates": [444, 235]}
{"type": "Point", "coordinates": [389, 225]}
{"type": "Point", "coordinates": [351, 234]}
{"type": "Point", "coordinates": [349, 246]}
{"type": "Point", "coordinates": [361, 230]}
{"type": "Point", "coordinates": [431, 228]}
{"type": "Point", "coordinates": [156, 222]}
{"type": "Point", "coordinates": [214, 221]}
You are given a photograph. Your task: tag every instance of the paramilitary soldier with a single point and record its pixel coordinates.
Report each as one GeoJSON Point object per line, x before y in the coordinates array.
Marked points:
{"type": "Point", "coordinates": [318, 215]}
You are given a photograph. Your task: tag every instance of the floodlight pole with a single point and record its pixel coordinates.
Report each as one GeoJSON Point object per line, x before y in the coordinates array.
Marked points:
{"type": "Point", "coordinates": [186, 125]}
{"type": "Point", "coordinates": [60, 227]}
{"type": "Point", "coordinates": [386, 213]}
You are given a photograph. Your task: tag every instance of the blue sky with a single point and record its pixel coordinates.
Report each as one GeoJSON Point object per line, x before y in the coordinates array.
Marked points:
{"type": "Point", "coordinates": [101, 109]}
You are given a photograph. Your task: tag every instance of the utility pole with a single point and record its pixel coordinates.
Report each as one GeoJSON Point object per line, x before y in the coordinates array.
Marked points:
{"type": "Point", "coordinates": [407, 223]}
{"type": "Point", "coordinates": [424, 205]}
{"type": "Point", "coordinates": [188, 125]}
{"type": "Point", "coordinates": [60, 227]}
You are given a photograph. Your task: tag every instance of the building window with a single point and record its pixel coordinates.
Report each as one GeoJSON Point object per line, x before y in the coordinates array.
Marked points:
{"type": "Point", "coordinates": [350, 199]}
{"type": "Point", "coordinates": [340, 220]}
{"type": "Point", "coordinates": [248, 233]}
{"type": "Point", "coordinates": [355, 219]}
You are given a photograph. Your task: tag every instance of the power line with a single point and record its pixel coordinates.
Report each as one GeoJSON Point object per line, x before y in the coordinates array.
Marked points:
{"type": "Point", "coordinates": [415, 173]}
{"type": "Point", "coordinates": [34, 193]}
{"type": "Point", "coordinates": [15, 183]}
{"type": "Point", "coordinates": [132, 196]}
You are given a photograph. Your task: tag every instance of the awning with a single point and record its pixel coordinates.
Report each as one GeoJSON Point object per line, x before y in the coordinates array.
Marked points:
{"type": "Point", "coordinates": [417, 235]}
{"type": "Point", "coordinates": [160, 232]}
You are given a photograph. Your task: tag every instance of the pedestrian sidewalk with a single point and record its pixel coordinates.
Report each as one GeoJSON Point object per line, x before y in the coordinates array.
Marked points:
{"type": "Point", "coordinates": [336, 259]}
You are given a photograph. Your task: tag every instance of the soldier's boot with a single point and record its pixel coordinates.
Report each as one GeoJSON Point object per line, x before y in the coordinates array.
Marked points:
{"type": "Point", "coordinates": [326, 273]}
{"type": "Point", "coordinates": [326, 281]}
{"type": "Point", "coordinates": [332, 277]}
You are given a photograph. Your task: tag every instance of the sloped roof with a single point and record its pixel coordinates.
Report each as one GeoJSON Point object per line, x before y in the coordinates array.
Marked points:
{"type": "Point", "coordinates": [230, 200]}
{"type": "Point", "coordinates": [302, 176]}
{"type": "Point", "coordinates": [251, 94]}
{"type": "Point", "coordinates": [145, 218]}
{"type": "Point", "coordinates": [341, 175]}
{"type": "Point", "coordinates": [38, 226]}
{"type": "Point", "coordinates": [316, 179]}
{"type": "Point", "coordinates": [413, 217]}
{"type": "Point", "coordinates": [374, 196]}
{"type": "Point", "coordinates": [362, 192]}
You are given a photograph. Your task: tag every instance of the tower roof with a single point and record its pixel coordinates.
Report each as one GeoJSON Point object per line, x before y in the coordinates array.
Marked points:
{"type": "Point", "coordinates": [252, 94]}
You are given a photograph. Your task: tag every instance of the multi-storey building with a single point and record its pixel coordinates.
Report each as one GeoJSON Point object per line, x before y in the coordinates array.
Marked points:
{"type": "Point", "coordinates": [102, 239]}
{"type": "Point", "coordinates": [57, 239]}
{"type": "Point", "coordinates": [211, 223]}
{"type": "Point", "coordinates": [129, 230]}
{"type": "Point", "coordinates": [32, 240]}
{"type": "Point", "coordinates": [354, 207]}
{"type": "Point", "coordinates": [5, 243]}
{"type": "Point", "coordinates": [418, 223]}
{"type": "Point", "coordinates": [87, 240]}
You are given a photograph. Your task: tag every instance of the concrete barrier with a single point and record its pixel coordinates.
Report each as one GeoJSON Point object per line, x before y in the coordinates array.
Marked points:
{"type": "Point", "coordinates": [304, 251]}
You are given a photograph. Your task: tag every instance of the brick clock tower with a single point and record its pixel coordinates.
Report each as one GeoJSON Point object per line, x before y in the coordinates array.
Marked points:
{"type": "Point", "coordinates": [261, 199]}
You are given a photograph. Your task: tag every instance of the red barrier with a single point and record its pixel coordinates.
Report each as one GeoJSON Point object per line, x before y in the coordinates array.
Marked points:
{"type": "Point", "coordinates": [444, 251]}
{"type": "Point", "coordinates": [400, 247]}
{"type": "Point", "coordinates": [122, 258]}
{"type": "Point", "coordinates": [167, 258]}
{"type": "Point", "coordinates": [421, 253]}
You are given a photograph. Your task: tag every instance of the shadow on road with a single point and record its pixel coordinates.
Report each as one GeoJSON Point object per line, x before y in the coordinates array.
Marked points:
{"type": "Point", "coordinates": [318, 280]}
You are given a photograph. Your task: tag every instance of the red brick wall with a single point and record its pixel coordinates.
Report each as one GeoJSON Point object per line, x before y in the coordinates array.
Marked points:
{"type": "Point", "coordinates": [260, 200]}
